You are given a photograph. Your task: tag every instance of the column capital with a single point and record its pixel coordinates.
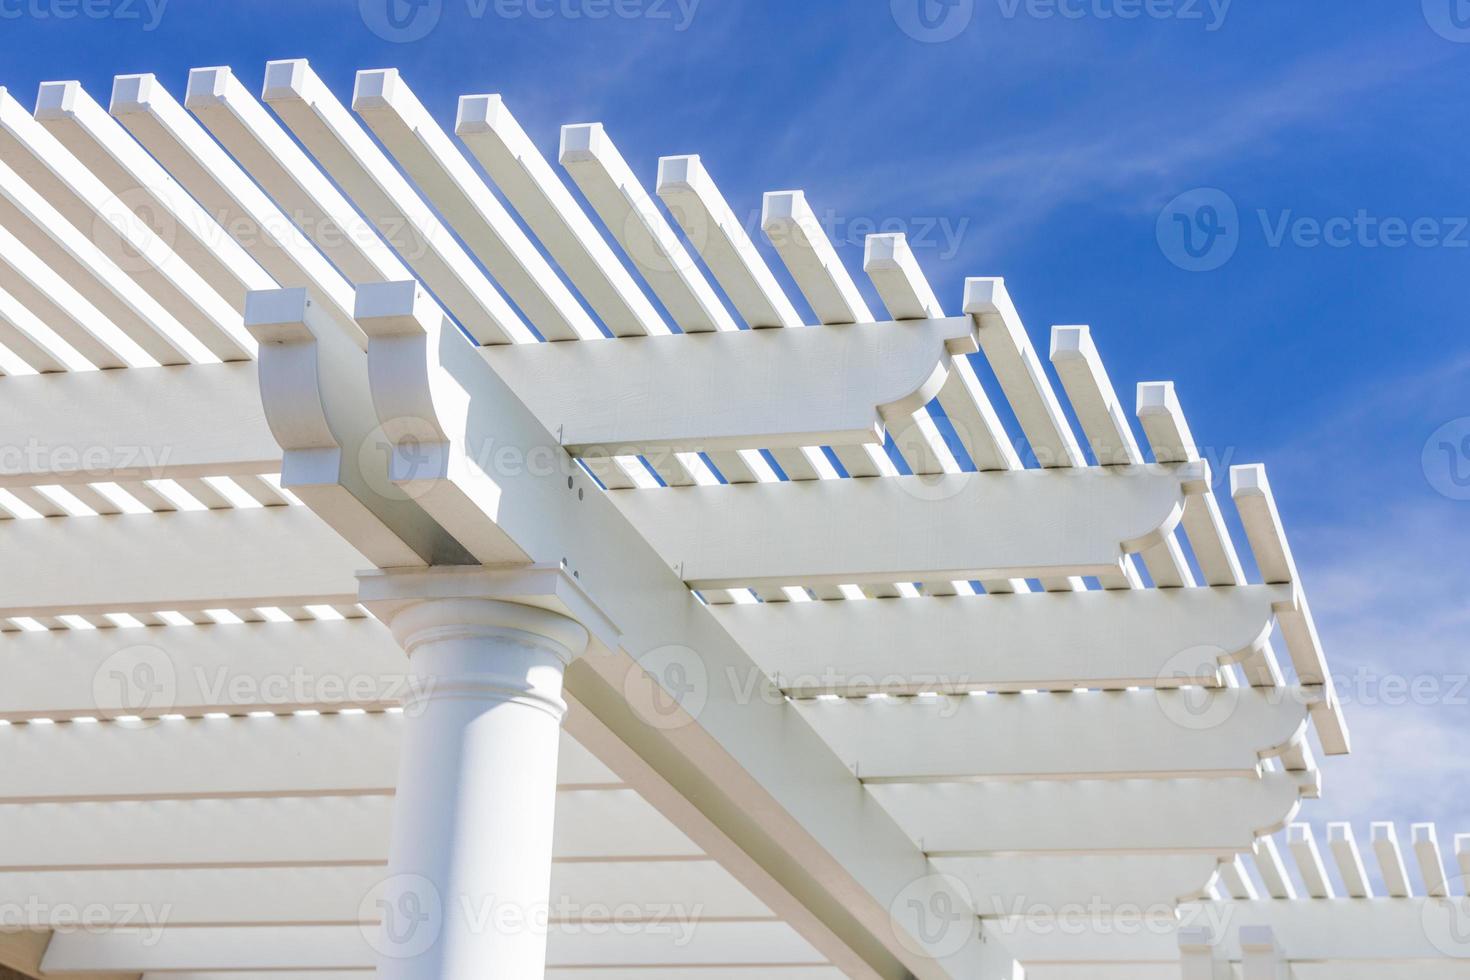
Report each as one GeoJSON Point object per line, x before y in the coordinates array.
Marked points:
{"type": "Point", "coordinates": [416, 624]}
{"type": "Point", "coordinates": [547, 589]}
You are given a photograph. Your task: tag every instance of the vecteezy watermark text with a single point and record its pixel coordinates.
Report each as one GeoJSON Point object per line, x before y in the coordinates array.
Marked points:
{"type": "Point", "coordinates": [148, 13]}
{"type": "Point", "coordinates": [404, 21]}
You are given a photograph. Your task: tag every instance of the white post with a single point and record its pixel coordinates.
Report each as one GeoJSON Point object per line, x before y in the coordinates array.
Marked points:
{"type": "Point", "coordinates": [470, 859]}
{"type": "Point", "coordinates": [1199, 956]}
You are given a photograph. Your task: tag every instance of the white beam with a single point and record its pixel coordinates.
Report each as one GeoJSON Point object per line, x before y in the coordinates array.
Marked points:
{"type": "Point", "coordinates": [643, 892]}
{"type": "Point", "coordinates": [141, 423]}
{"type": "Point", "coordinates": [139, 181]}
{"type": "Point", "coordinates": [956, 527]}
{"type": "Point", "coordinates": [721, 240]}
{"type": "Point", "coordinates": [749, 389]}
{"type": "Point", "coordinates": [591, 824]}
{"type": "Point", "coordinates": [309, 755]}
{"type": "Point", "coordinates": [1431, 860]}
{"type": "Point", "coordinates": [338, 141]}
{"type": "Point", "coordinates": [792, 227]}
{"type": "Point", "coordinates": [1044, 641]}
{"type": "Point", "coordinates": [618, 197]}
{"type": "Point", "coordinates": [1303, 844]}
{"type": "Point", "coordinates": [1042, 887]}
{"type": "Point", "coordinates": [1349, 860]}
{"type": "Point", "coordinates": [1007, 347]}
{"type": "Point", "coordinates": [348, 947]}
{"type": "Point", "coordinates": [496, 139]}
{"type": "Point", "coordinates": [1391, 861]}
{"type": "Point", "coordinates": [1108, 735]}
{"type": "Point", "coordinates": [223, 559]}
{"type": "Point", "coordinates": [445, 177]}
{"type": "Point", "coordinates": [1203, 816]}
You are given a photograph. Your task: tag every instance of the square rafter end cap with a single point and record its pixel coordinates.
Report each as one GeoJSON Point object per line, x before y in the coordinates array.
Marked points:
{"type": "Point", "coordinates": [286, 80]}
{"type": "Point", "coordinates": [207, 87]}
{"type": "Point", "coordinates": [57, 100]}
{"type": "Point", "coordinates": [394, 309]}
{"type": "Point", "coordinates": [986, 294]}
{"type": "Point", "coordinates": [582, 142]}
{"type": "Point", "coordinates": [132, 93]}
{"type": "Point", "coordinates": [479, 114]}
{"type": "Point", "coordinates": [278, 316]}
{"type": "Point", "coordinates": [376, 88]}
{"type": "Point", "coordinates": [680, 173]}
{"type": "Point", "coordinates": [885, 251]}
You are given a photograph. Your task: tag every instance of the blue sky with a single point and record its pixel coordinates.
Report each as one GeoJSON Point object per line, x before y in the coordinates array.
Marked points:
{"type": "Point", "coordinates": [1044, 142]}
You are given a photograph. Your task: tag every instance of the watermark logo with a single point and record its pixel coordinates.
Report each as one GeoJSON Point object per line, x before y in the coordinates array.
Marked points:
{"type": "Point", "coordinates": [1199, 230]}
{"type": "Point", "coordinates": [1210, 13]}
{"type": "Point", "coordinates": [1450, 19]}
{"type": "Point", "coordinates": [1446, 920]}
{"type": "Point", "coordinates": [148, 13]}
{"type": "Point", "coordinates": [136, 681]}
{"type": "Point", "coordinates": [402, 917]}
{"type": "Point", "coordinates": [1181, 693]}
{"type": "Point", "coordinates": [399, 458]}
{"type": "Point", "coordinates": [401, 21]}
{"type": "Point", "coordinates": [933, 21]}
{"type": "Point", "coordinates": [1446, 459]}
{"type": "Point", "coordinates": [934, 916]}
{"type": "Point", "coordinates": [668, 687]}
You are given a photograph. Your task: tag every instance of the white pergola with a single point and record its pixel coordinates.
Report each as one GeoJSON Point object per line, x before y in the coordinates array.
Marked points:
{"type": "Point", "coordinates": [736, 647]}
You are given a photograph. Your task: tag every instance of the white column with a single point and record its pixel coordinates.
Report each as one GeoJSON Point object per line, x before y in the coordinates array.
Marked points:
{"type": "Point", "coordinates": [1263, 958]}
{"type": "Point", "coordinates": [470, 860]}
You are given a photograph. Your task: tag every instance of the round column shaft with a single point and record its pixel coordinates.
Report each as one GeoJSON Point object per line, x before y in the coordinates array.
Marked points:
{"type": "Point", "coordinates": [470, 859]}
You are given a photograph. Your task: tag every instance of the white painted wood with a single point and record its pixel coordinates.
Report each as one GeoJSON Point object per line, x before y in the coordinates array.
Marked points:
{"type": "Point", "coordinates": [148, 423]}
{"type": "Point", "coordinates": [339, 142]}
{"type": "Point", "coordinates": [1202, 816]}
{"type": "Point", "coordinates": [96, 139]}
{"type": "Point", "coordinates": [1391, 861]}
{"type": "Point", "coordinates": [178, 142]}
{"type": "Point", "coordinates": [1040, 887]}
{"type": "Point", "coordinates": [1061, 641]}
{"type": "Point", "coordinates": [721, 241]}
{"type": "Point", "coordinates": [1007, 347]}
{"type": "Point", "coordinates": [1431, 861]}
{"type": "Point", "coordinates": [1201, 958]}
{"type": "Point", "coordinates": [345, 947]}
{"type": "Point", "coordinates": [965, 526]}
{"type": "Point", "coordinates": [209, 327]}
{"type": "Point", "coordinates": [754, 751]}
{"type": "Point", "coordinates": [436, 165]}
{"type": "Point", "coordinates": [792, 228]}
{"type": "Point", "coordinates": [291, 666]}
{"type": "Point", "coordinates": [1234, 880]}
{"type": "Point", "coordinates": [69, 251]}
{"type": "Point", "coordinates": [638, 892]}
{"type": "Point", "coordinates": [1303, 844]}
{"type": "Point", "coordinates": [1075, 357]}
{"type": "Point", "coordinates": [197, 560]}
{"type": "Point", "coordinates": [1257, 506]}
{"type": "Point", "coordinates": [260, 145]}
{"type": "Point", "coordinates": [591, 823]}
{"type": "Point", "coordinates": [486, 126]}
{"type": "Point", "coordinates": [1349, 860]}
{"type": "Point", "coordinates": [64, 310]}
{"type": "Point", "coordinates": [589, 155]}
{"type": "Point", "coordinates": [222, 757]}
{"type": "Point", "coordinates": [751, 389]}
{"type": "Point", "coordinates": [1272, 869]}
{"type": "Point", "coordinates": [890, 264]}
{"type": "Point", "coordinates": [1109, 735]}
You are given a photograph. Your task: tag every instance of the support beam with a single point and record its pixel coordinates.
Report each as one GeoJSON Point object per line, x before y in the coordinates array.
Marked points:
{"type": "Point", "coordinates": [606, 824]}
{"type": "Point", "coordinates": [1106, 735]}
{"type": "Point", "coordinates": [828, 845]}
{"type": "Point", "coordinates": [137, 424]}
{"type": "Point", "coordinates": [310, 755]}
{"type": "Point", "coordinates": [218, 559]}
{"type": "Point", "coordinates": [347, 948]}
{"type": "Point", "coordinates": [1166, 816]}
{"type": "Point", "coordinates": [1043, 641]}
{"type": "Point", "coordinates": [436, 165]}
{"type": "Point", "coordinates": [904, 529]}
{"type": "Point", "coordinates": [721, 240]}
{"type": "Point", "coordinates": [618, 197]}
{"type": "Point", "coordinates": [492, 134]}
{"type": "Point", "coordinates": [750, 389]}
{"type": "Point", "coordinates": [1042, 888]}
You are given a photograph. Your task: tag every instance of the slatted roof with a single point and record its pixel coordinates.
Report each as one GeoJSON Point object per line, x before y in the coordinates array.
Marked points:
{"type": "Point", "coordinates": [930, 627]}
